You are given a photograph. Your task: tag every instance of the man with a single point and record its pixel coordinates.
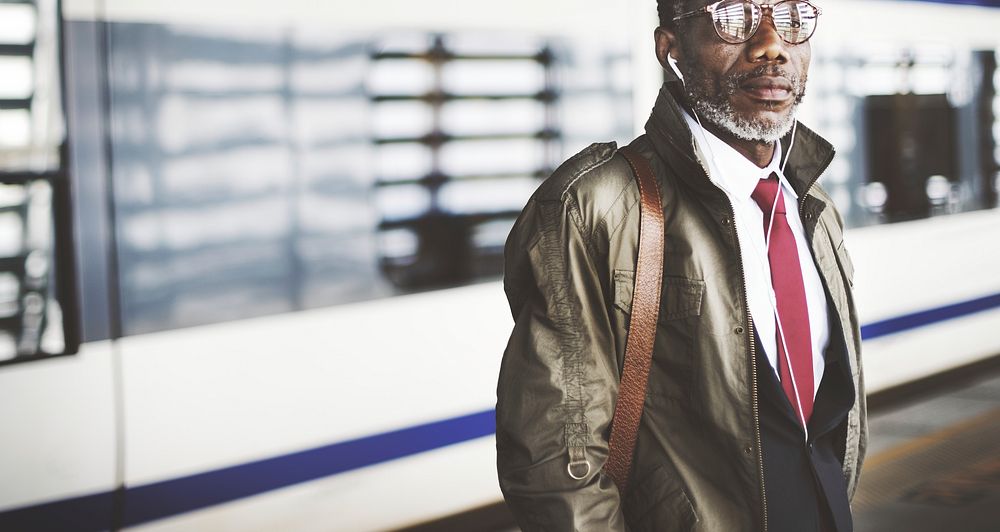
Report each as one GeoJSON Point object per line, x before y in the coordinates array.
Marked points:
{"type": "Point", "coordinates": [754, 417]}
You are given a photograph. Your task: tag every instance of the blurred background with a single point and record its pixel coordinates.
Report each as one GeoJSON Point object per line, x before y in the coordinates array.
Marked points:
{"type": "Point", "coordinates": [250, 252]}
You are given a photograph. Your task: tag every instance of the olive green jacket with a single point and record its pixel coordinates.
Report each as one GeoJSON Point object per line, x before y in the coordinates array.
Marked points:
{"type": "Point", "coordinates": [569, 277]}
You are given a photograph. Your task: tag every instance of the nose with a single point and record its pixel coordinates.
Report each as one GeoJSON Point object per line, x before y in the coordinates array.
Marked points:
{"type": "Point", "coordinates": [766, 45]}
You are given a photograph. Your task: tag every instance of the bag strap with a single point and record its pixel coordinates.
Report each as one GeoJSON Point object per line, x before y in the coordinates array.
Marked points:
{"type": "Point", "coordinates": [642, 323]}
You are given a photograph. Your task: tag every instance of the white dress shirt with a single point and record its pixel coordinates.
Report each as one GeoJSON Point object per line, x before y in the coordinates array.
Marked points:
{"type": "Point", "coordinates": [738, 177]}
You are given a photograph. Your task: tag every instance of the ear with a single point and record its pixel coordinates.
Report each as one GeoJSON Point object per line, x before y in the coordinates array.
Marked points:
{"type": "Point", "coordinates": [667, 44]}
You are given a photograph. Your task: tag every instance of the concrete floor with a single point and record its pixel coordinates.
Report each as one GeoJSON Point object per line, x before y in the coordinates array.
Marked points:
{"type": "Point", "coordinates": [934, 465]}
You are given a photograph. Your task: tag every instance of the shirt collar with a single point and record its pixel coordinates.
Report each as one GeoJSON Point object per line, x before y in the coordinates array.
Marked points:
{"type": "Point", "coordinates": [730, 169]}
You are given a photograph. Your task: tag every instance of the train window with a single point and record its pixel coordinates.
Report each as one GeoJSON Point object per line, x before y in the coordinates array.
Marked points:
{"type": "Point", "coordinates": [914, 146]}
{"type": "Point", "coordinates": [341, 168]}
{"type": "Point", "coordinates": [483, 124]}
{"type": "Point", "coordinates": [38, 317]}
{"type": "Point", "coordinates": [915, 131]}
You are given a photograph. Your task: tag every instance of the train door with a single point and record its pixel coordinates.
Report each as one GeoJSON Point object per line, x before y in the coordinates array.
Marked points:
{"type": "Point", "coordinates": [57, 404]}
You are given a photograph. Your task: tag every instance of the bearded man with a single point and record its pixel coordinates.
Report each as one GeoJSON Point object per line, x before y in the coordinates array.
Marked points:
{"type": "Point", "coordinates": [754, 415]}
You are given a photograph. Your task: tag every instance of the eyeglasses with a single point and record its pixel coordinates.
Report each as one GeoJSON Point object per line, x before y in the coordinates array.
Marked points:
{"type": "Point", "coordinates": [736, 21]}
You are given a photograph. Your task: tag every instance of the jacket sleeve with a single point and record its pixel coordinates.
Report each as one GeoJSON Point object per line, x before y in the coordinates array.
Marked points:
{"type": "Point", "coordinates": [559, 378]}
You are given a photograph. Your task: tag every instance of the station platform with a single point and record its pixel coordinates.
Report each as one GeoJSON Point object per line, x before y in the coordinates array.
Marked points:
{"type": "Point", "coordinates": [933, 460]}
{"type": "Point", "coordinates": [934, 464]}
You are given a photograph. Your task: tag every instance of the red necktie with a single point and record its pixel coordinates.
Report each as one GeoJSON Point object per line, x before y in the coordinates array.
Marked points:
{"type": "Point", "coordinates": [786, 276]}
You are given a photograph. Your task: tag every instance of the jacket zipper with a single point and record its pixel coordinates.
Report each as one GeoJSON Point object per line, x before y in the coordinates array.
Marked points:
{"type": "Point", "coordinates": [753, 357]}
{"type": "Point", "coordinates": [753, 371]}
{"type": "Point", "coordinates": [750, 341]}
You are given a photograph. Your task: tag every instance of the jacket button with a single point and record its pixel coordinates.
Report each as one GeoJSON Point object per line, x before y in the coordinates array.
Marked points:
{"type": "Point", "coordinates": [748, 449]}
{"type": "Point", "coordinates": [739, 330]}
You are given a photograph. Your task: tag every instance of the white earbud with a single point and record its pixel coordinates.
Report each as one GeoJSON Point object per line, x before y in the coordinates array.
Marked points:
{"type": "Point", "coordinates": [673, 66]}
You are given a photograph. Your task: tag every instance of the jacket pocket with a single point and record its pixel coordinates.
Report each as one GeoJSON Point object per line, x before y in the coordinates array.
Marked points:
{"type": "Point", "coordinates": [658, 502]}
{"type": "Point", "coordinates": [680, 297]}
{"type": "Point", "coordinates": [672, 372]}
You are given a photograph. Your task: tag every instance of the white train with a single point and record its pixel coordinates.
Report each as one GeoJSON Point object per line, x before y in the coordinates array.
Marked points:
{"type": "Point", "coordinates": [250, 251]}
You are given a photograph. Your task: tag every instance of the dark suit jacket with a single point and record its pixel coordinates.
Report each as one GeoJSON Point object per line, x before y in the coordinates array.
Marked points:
{"type": "Point", "coordinates": [803, 481]}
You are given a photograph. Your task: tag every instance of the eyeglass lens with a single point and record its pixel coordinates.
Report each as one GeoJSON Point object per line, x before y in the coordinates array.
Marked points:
{"type": "Point", "coordinates": [737, 20]}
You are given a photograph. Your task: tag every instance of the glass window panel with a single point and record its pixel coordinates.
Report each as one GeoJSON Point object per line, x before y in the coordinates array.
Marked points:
{"type": "Point", "coordinates": [398, 243]}
{"type": "Point", "coordinates": [39, 230]}
{"type": "Point", "coordinates": [11, 234]}
{"type": "Point", "coordinates": [15, 128]}
{"type": "Point", "coordinates": [12, 195]}
{"type": "Point", "coordinates": [873, 80]}
{"type": "Point", "coordinates": [479, 157]}
{"type": "Point", "coordinates": [224, 223]}
{"type": "Point", "coordinates": [236, 172]}
{"type": "Point", "coordinates": [10, 287]}
{"type": "Point", "coordinates": [187, 123]}
{"type": "Point", "coordinates": [403, 161]}
{"type": "Point", "coordinates": [499, 117]}
{"type": "Point", "coordinates": [468, 197]}
{"type": "Point", "coordinates": [588, 114]}
{"type": "Point", "coordinates": [335, 168]}
{"type": "Point", "coordinates": [929, 79]}
{"type": "Point", "coordinates": [17, 76]}
{"type": "Point", "coordinates": [401, 76]}
{"type": "Point", "coordinates": [492, 234]}
{"type": "Point", "coordinates": [402, 119]}
{"type": "Point", "coordinates": [402, 42]}
{"type": "Point", "coordinates": [337, 214]}
{"type": "Point", "coordinates": [214, 76]}
{"type": "Point", "coordinates": [475, 43]}
{"type": "Point", "coordinates": [499, 77]}
{"type": "Point", "coordinates": [17, 23]}
{"type": "Point", "coordinates": [335, 76]}
{"type": "Point", "coordinates": [8, 346]}
{"type": "Point", "coordinates": [403, 201]}
{"type": "Point", "coordinates": [328, 120]}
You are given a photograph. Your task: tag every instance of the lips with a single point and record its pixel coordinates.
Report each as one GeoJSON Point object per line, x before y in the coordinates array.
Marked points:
{"type": "Point", "coordinates": [767, 88]}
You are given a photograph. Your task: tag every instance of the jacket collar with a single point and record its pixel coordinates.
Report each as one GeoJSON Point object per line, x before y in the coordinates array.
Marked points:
{"type": "Point", "coordinates": [674, 143]}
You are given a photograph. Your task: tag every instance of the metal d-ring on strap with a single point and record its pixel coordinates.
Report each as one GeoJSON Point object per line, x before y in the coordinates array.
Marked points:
{"type": "Point", "coordinates": [571, 465]}
{"type": "Point", "coordinates": [642, 324]}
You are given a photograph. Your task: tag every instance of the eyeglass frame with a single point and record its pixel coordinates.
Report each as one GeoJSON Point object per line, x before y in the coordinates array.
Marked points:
{"type": "Point", "coordinates": [765, 9]}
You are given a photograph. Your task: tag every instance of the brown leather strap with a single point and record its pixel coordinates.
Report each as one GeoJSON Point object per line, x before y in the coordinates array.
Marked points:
{"type": "Point", "coordinates": [642, 323]}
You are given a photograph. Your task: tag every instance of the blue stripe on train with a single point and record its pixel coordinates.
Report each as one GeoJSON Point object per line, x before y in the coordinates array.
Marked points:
{"type": "Point", "coordinates": [928, 317]}
{"type": "Point", "coordinates": [171, 497]}
{"type": "Point", "coordinates": [154, 501]}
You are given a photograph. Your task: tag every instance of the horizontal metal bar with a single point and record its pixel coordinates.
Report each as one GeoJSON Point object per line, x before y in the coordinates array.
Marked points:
{"type": "Point", "coordinates": [13, 264]}
{"type": "Point", "coordinates": [27, 49]}
{"type": "Point", "coordinates": [142, 96]}
{"type": "Point", "coordinates": [437, 56]}
{"type": "Point", "coordinates": [21, 178]}
{"type": "Point", "coordinates": [16, 207]}
{"type": "Point", "coordinates": [437, 179]}
{"type": "Point", "coordinates": [443, 97]}
{"type": "Point", "coordinates": [438, 137]}
{"type": "Point", "coordinates": [468, 219]}
{"type": "Point", "coordinates": [8, 104]}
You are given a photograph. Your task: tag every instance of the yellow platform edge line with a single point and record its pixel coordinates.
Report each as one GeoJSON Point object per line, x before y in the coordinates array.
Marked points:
{"type": "Point", "coordinates": [923, 442]}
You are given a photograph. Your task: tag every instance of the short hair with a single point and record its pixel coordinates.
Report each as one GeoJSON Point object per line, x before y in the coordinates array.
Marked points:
{"type": "Point", "coordinates": [667, 10]}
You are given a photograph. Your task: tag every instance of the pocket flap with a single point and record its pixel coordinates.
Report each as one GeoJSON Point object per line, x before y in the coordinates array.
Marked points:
{"type": "Point", "coordinates": [680, 297]}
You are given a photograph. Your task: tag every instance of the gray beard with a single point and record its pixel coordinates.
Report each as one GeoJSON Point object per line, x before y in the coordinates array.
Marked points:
{"type": "Point", "coordinates": [713, 105]}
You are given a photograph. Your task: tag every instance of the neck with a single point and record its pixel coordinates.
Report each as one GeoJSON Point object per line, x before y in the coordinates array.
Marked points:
{"type": "Point", "coordinates": [759, 153]}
